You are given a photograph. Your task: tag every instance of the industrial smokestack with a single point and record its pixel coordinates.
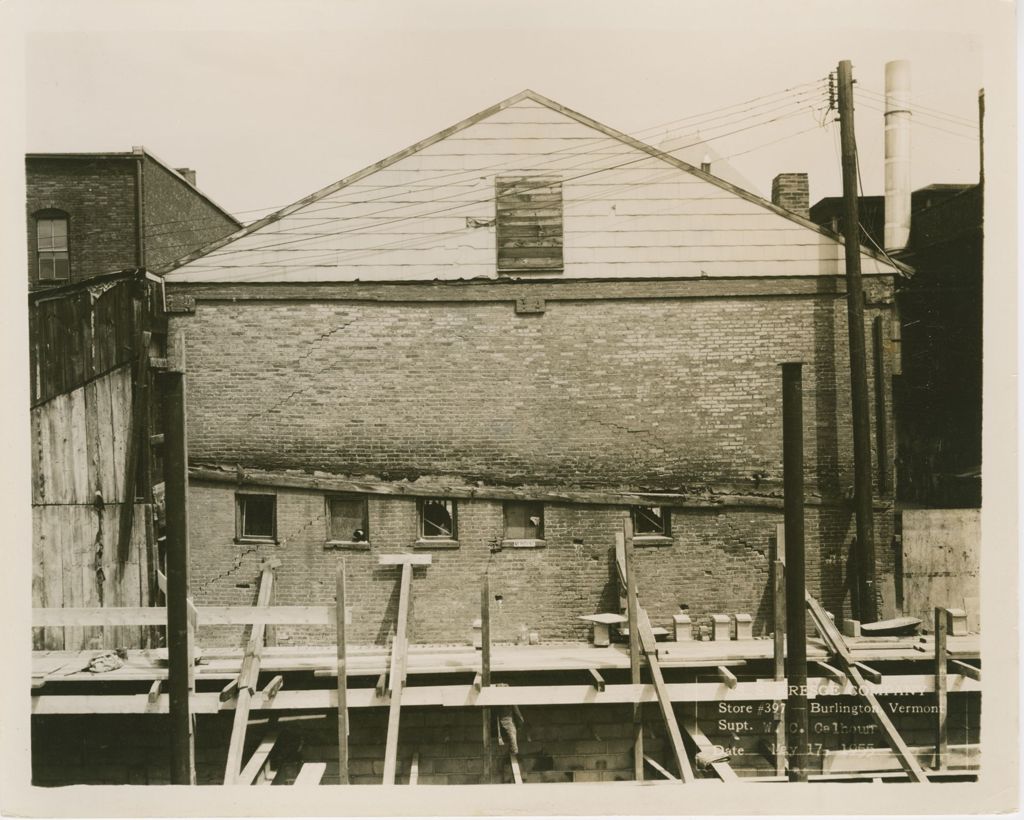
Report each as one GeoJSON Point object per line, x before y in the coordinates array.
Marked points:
{"type": "Point", "coordinates": [897, 154]}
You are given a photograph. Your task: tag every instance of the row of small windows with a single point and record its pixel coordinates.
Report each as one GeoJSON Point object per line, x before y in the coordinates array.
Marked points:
{"type": "Point", "coordinates": [348, 520]}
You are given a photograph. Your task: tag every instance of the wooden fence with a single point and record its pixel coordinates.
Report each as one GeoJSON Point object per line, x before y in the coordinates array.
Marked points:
{"type": "Point", "coordinates": [84, 341]}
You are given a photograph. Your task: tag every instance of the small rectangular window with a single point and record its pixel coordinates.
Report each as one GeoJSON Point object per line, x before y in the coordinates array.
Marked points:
{"type": "Point", "coordinates": [651, 521]}
{"type": "Point", "coordinates": [524, 521]}
{"type": "Point", "coordinates": [256, 517]}
{"type": "Point", "coordinates": [347, 519]}
{"type": "Point", "coordinates": [437, 519]}
{"type": "Point", "coordinates": [528, 220]}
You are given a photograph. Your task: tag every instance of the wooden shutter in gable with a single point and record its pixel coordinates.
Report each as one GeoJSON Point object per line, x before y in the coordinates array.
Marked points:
{"type": "Point", "coordinates": [529, 223]}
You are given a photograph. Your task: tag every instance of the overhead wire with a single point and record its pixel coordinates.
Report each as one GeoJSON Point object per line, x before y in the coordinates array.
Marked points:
{"type": "Point", "coordinates": [474, 175]}
{"type": "Point", "coordinates": [461, 204]}
{"type": "Point", "coordinates": [800, 96]}
{"type": "Point", "coordinates": [353, 254]}
{"type": "Point", "coordinates": [919, 108]}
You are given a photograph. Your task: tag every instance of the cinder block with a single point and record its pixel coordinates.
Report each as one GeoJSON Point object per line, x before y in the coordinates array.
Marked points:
{"type": "Point", "coordinates": [956, 622]}
{"type": "Point", "coordinates": [720, 627]}
{"type": "Point", "coordinates": [744, 626]}
{"type": "Point", "coordinates": [682, 626]}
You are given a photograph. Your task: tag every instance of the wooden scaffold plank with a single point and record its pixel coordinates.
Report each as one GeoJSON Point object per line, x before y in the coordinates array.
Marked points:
{"type": "Point", "coordinates": [664, 701]}
{"type": "Point", "coordinates": [834, 639]}
{"type": "Point", "coordinates": [941, 700]}
{"type": "Point", "coordinates": [247, 679]}
{"type": "Point", "coordinates": [399, 653]}
{"type": "Point", "coordinates": [342, 676]}
{"type": "Point", "coordinates": [716, 760]}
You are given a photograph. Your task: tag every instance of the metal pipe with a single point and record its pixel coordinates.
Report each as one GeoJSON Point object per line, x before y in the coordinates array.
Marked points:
{"type": "Point", "coordinates": [862, 489]}
{"type": "Point", "coordinates": [796, 586]}
{"type": "Point", "coordinates": [897, 155]}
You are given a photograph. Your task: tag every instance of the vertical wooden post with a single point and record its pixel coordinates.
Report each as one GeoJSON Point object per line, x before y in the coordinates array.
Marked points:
{"type": "Point", "coordinates": [179, 649]}
{"type": "Point", "coordinates": [634, 647]}
{"type": "Point", "coordinates": [881, 426]}
{"type": "Point", "coordinates": [485, 671]}
{"type": "Point", "coordinates": [862, 490]}
{"type": "Point", "coordinates": [779, 616]}
{"type": "Point", "coordinates": [398, 650]}
{"type": "Point", "coordinates": [941, 743]}
{"type": "Point", "coordinates": [796, 591]}
{"type": "Point", "coordinates": [342, 677]}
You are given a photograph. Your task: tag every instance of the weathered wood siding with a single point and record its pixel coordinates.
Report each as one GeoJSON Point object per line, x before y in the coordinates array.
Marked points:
{"type": "Point", "coordinates": [75, 565]}
{"type": "Point", "coordinates": [941, 563]}
{"type": "Point", "coordinates": [76, 337]}
{"type": "Point", "coordinates": [79, 448]}
{"type": "Point", "coordinates": [79, 442]}
{"type": "Point", "coordinates": [430, 216]}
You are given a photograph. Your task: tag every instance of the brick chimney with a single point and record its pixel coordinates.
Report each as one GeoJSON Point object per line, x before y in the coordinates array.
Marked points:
{"type": "Point", "coordinates": [188, 173]}
{"type": "Point", "coordinates": [790, 191]}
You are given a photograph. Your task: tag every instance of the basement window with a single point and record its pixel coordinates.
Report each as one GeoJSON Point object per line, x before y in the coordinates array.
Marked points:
{"type": "Point", "coordinates": [437, 520]}
{"type": "Point", "coordinates": [255, 517]}
{"type": "Point", "coordinates": [347, 522]}
{"type": "Point", "coordinates": [652, 525]}
{"type": "Point", "coordinates": [528, 223]}
{"type": "Point", "coordinates": [524, 524]}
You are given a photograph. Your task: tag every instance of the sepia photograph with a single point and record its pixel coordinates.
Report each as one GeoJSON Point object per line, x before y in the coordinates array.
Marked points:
{"type": "Point", "coordinates": [566, 408]}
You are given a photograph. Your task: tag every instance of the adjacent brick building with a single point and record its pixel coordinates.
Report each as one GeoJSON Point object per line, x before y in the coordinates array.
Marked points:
{"type": "Point", "coordinates": [494, 345]}
{"type": "Point", "coordinates": [938, 395]}
{"type": "Point", "coordinates": [99, 213]}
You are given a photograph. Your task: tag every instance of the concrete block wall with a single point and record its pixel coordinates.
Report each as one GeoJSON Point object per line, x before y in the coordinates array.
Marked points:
{"type": "Point", "coordinates": [559, 744]}
{"type": "Point", "coordinates": [718, 561]}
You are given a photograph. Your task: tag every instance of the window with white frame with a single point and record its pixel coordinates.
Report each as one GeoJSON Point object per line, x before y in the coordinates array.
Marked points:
{"type": "Point", "coordinates": [52, 247]}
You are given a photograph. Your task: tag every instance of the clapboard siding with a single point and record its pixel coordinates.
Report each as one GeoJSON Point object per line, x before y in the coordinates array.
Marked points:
{"type": "Point", "coordinates": [426, 216]}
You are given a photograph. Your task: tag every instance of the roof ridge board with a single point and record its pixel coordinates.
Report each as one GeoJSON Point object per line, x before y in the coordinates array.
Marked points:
{"type": "Point", "coordinates": [487, 112]}
{"type": "Point", "coordinates": [379, 165]}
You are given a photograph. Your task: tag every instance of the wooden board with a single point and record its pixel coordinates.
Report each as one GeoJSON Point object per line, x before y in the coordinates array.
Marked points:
{"type": "Point", "coordinates": [941, 563]}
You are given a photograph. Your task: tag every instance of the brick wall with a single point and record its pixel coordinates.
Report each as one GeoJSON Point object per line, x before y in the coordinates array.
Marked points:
{"type": "Point", "coordinates": [178, 219]}
{"type": "Point", "coordinates": [614, 392]}
{"type": "Point", "coordinates": [98, 196]}
{"type": "Point", "coordinates": [791, 191]}
{"type": "Point", "coordinates": [718, 561]}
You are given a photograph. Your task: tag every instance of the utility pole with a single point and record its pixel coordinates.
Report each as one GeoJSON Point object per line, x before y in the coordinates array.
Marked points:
{"type": "Point", "coordinates": [862, 490]}
{"type": "Point", "coordinates": [796, 584]}
{"type": "Point", "coordinates": [179, 649]}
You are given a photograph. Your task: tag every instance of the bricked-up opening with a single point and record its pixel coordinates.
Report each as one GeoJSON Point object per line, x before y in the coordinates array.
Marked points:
{"type": "Point", "coordinates": [652, 521]}
{"type": "Point", "coordinates": [347, 520]}
{"type": "Point", "coordinates": [529, 223]}
{"type": "Point", "coordinates": [52, 246]}
{"type": "Point", "coordinates": [524, 521]}
{"type": "Point", "coordinates": [437, 519]}
{"type": "Point", "coordinates": [256, 517]}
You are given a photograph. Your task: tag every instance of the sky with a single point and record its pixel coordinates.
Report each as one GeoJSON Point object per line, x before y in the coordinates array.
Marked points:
{"type": "Point", "coordinates": [271, 107]}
